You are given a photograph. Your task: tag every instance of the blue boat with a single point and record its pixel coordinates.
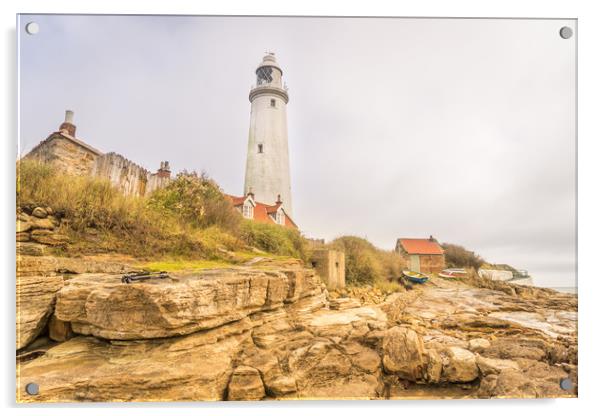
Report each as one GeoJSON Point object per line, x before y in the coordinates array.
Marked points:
{"type": "Point", "coordinates": [415, 277]}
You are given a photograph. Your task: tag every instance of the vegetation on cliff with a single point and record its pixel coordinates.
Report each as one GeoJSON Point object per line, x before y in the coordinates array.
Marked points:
{"type": "Point", "coordinates": [458, 256]}
{"type": "Point", "coordinates": [188, 219]}
{"type": "Point", "coordinates": [366, 264]}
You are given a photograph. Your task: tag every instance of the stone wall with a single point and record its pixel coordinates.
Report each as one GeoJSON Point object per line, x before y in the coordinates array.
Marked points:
{"type": "Point", "coordinates": [75, 157]}
{"type": "Point", "coordinates": [65, 153]}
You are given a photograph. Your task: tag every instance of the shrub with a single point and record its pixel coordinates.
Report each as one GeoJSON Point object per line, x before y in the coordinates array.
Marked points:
{"type": "Point", "coordinates": [458, 256]}
{"type": "Point", "coordinates": [366, 264]}
{"type": "Point", "coordinates": [274, 239]}
{"type": "Point", "coordinates": [197, 200]}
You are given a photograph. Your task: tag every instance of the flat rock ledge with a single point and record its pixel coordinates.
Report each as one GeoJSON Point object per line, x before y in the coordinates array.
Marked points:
{"type": "Point", "coordinates": [105, 307]}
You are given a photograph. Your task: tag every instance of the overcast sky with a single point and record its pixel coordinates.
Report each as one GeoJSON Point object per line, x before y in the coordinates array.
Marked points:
{"type": "Point", "coordinates": [460, 129]}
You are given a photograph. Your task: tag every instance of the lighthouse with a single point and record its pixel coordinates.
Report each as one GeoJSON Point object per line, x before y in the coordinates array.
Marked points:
{"type": "Point", "coordinates": [267, 174]}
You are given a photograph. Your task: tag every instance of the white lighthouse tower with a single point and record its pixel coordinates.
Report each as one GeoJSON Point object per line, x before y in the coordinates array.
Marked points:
{"type": "Point", "coordinates": [268, 175]}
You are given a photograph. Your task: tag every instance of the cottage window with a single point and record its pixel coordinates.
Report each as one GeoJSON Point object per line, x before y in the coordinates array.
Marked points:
{"type": "Point", "coordinates": [247, 211]}
{"type": "Point", "coordinates": [259, 148]}
{"type": "Point", "coordinates": [273, 102]}
{"type": "Point", "coordinates": [280, 217]}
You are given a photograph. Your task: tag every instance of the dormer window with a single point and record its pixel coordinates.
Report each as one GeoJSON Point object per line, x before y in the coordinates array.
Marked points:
{"type": "Point", "coordinates": [280, 217]}
{"type": "Point", "coordinates": [247, 210]}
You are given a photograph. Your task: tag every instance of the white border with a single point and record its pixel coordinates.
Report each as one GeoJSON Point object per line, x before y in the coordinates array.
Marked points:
{"type": "Point", "coordinates": [590, 210]}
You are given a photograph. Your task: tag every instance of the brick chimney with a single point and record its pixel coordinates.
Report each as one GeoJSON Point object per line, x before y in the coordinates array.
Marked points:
{"type": "Point", "coordinates": [164, 170]}
{"type": "Point", "coordinates": [68, 125]}
{"type": "Point", "coordinates": [279, 200]}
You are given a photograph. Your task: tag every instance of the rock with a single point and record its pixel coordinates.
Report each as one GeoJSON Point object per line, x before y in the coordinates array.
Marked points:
{"type": "Point", "coordinates": [58, 330]}
{"type": "Point", "coordinates": [24, 236]}
{"type": "Point", "coordinates": [349, 323]}
{"type": "Point", "coordinates": [39, 212]}
{"type": "Point", "coordinates": [516, 347]}
{"type": "Point", "coordinates": [358, 387]}
{"type": "Point", "coordinates": [478, 344]}
{"type": "Point", "coordinates": [23, 216]}
{"type": "Point", "coordinates": [395, 304]}
{"type": "Point", "coordinates": [31, 249]}
{"type": "Point", "coordinates": [247, 333]}
{"type": "Point", "coordinates": [49, 265]}
{"type": "Point", "coordinates": [35, 302]}
{"type": "Point", "coordinates": [403, 353]}
{"type": "Point", "coordinates": [495, 366]}
{"type": "Point", "coordinates": [246, 384]}
{"type": "Point", "coordinates": [344, 303]}
{"type": "Point", "coordinates": [459, 365]}
{"type": "Point", "coordinates": [365, 359]}
{"type": "Point", "coordinates": [23, 226]}
{"type": "Point", "coordinates": [42, 224]}
{"type": "Point", "coordinates": [434, 367]}
{"type": "Point", "coordinates": [281, 386]}
{"type": "Point", "coordinates": [183, 304]}
{"type": "Point", "coordinates": [191, 368]}
{"type": "Point", "coordinates": [509, 383]}
{"type": "Point", "coordinates": [48, 237]}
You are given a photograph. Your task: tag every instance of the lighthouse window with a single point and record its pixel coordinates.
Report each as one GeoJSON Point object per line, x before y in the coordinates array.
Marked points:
{"type": "Point", "coordinates": [264, 75]}
{"type": "Point", "coordinates": [259, 148]}
{"type": "Point", "coordinates": [273, 102]}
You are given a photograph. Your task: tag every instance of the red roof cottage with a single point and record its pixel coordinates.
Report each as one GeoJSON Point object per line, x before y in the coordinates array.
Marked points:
{"type": "Point", "coordinates": [258, 211]}
{"type": "Point", "coordinates": [423, 255]}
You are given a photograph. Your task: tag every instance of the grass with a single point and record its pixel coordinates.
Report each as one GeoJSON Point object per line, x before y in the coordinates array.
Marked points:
{"type": "Point", "coordinates": [180, 265]}
{"type": "Point", "coordinates": [190, 219]}
{"type": "Point", "coordinates": [274, 239]}
{"type": "Point", "coordinates": [389, 286]}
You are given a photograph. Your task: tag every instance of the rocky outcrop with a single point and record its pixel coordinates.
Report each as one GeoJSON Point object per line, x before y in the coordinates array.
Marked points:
{"type": "Point", "coordinates": [259, 334]}
{"type": "Point", "coordinates": [35, 302]}
{"type": "Point", "coordinates": [105, 307]}
{"type": "Point", "coordinates": [196, 367]}
{"type": "Point", "coordinates": [403, 353]}
{"type": "Point", "coordinates": [489, 366]}
{"type": "Point", "coordinates": [459, 365]}
{"type": "Point", "coordinates": [39, 226]}
{"type": "Point", "coordinates": [246, 384]}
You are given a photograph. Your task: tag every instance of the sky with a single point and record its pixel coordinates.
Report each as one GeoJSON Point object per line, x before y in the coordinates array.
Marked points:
{"type": "Point", "coordinates": [463, 129]}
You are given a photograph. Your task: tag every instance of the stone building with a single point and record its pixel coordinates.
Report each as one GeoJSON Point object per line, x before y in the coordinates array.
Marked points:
{"type": "Point", "coordinates": [330, 266]}
{"type": "Point", "coordinates": [254, 210]}
{"type": "Point", "coordinates": [423, 255]}
{"type": "Point", "coordinates": [267, 172]}
{"type": "Point", "coordinates": [74, 156]}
